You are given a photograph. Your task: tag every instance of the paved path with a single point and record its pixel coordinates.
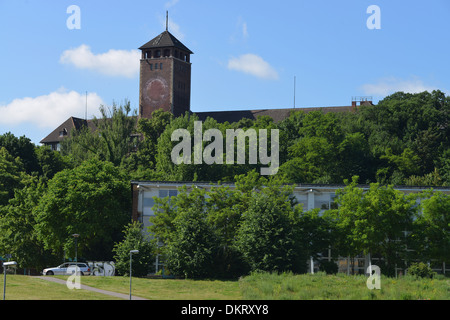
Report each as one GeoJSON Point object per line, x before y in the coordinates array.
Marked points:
{"type": "Point", "coordinates": [110, 293]}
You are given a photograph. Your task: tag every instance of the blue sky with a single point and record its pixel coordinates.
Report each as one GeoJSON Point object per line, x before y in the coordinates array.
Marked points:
{"type": "Point", "coordinates": [246, 54]}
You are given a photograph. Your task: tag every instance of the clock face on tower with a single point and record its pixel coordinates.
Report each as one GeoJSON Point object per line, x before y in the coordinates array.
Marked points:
{"type": "Point", "coordinates": [156, 93]}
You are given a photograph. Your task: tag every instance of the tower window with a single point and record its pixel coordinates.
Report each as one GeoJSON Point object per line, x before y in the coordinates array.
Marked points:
{"type": "Point", "coordinates": [157, 53]}
{"type": "Point", "coordinates": [156, 66]}
{"type": "Point", "coordinates": [63, 132]}
{"type": "Point", "coordinates": [166, 52]}
{"type": "Point", "coordinates": [160, 66]}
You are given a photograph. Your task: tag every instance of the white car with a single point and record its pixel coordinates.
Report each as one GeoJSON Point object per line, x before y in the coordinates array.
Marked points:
{"type": "Point", "coordinates": [65, 269]}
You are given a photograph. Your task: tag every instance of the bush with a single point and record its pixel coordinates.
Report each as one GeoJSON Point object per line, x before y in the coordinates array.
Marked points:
{"type": "Point", "coordinates": [330, 267]}
{"type": "Point", "coordinates": [421, 270]}
{"type": "Point", "coordinates": [134, 240]}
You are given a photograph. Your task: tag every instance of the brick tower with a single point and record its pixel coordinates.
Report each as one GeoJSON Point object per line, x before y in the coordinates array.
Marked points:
{"type": "Point", "coordinates": [165, 76]}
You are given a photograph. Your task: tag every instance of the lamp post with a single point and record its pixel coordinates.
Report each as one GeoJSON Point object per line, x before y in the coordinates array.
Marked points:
{"type": "Point", "coordinates": [6, 264]}
{"type": "Point", "coordinates": [131, 254]}
{"type": "Point", "coordinates": [76, 235]}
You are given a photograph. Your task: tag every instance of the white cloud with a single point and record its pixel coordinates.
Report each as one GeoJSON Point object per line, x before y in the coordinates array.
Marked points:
{"type": "Point", "coordinates": [240, 34]}
{"type": "Point", "coordinates": [245, 30]}
{"type": "Point", "coordinates": [49, 111]}
{"type": "Point", "coordinates": [254, 65]}
{"type": "Point", "coordinates": [171, 3]}
{"type": "Point", "coordinates": [390, 85]}
{"type": "Point", "coordinates": [113, 63]}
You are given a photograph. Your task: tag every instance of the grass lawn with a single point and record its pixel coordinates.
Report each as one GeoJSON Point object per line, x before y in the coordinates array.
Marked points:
{"type": "Point", "coordinates": [341, 287]}
{"type": "Point", "coordinates": [168, 289]}
{"type": "Point", "coordinates": [254, 287]}
{"type": "Point", "coordinates": [19, 287]}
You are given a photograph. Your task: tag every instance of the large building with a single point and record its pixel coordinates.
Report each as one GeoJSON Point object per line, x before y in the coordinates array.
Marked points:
{"type": "Point", "coordinates": [165, 83]}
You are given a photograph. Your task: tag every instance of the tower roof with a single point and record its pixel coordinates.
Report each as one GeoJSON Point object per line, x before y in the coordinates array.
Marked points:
{"type": "Point", "coordinates": [165, 39]}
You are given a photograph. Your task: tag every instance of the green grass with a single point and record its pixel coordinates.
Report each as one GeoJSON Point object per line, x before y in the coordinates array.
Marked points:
{"type": "Point", "coordinates": [341, 287]}
{"type": "Point", "coordinates": [19, 287]}
{"type": "Point", "coordinates": [254, 287]}
{"type": "Point", "coordinates": [168, 289]}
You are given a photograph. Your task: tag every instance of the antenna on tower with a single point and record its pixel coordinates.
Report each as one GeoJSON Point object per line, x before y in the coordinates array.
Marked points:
{"type": "Point", "coordinates": [167, 20]}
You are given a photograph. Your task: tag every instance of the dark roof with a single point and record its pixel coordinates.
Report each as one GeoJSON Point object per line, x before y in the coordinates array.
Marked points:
{"type": "Point", "coordinates": [220, 116]}
{"type": "Point", "coordinates": [165, 39]}
{"type": "Point", "coordinates": [67, 126]}
{"type": "Point", "coordinates": [276, 114]}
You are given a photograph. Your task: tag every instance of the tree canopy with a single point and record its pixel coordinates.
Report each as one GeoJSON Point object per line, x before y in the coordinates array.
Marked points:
{"type": "Point", "coordinates": [45, 195]}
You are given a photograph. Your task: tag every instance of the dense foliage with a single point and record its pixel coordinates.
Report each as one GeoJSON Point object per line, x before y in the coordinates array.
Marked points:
{"type": "Point", "coordinates": [46, 196]}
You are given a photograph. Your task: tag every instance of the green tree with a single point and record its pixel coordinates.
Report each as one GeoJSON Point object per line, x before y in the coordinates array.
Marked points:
{"type": "Point", "coordinates": [18, 236]}
{"type": "Point", "coordinates": [12, 175]}
{"type": "Point", "coordinates": [219, 212]}
{"type": "Point", "coordinates": [353, 157]}
{"type": "Point", "coordinates": [266, 237]}
{"type": "Point", "coordinates": [429, 179]}
{"type": "Point", "coordinates": [134, 239]}
{"type": "Point", "coordinates": [318, 148]}
{"type": "Point", "coordinates": [373, 221]}
{"type": "Point", "coordinates": [400, 166]}
{"type": "Point", "coordinates": [316, 233]}
{"type": "Point", "coordinates": [50, 161]}
{"type": "Point", "coordinates": [113, 137]}
{"type": "Point", "coordinates": [92, 200]}
{"type": "Point", "coordinates": [434, 226]}
{"type": "Point", "coordinates": [141, 163]}
{"type": "Point", "coordinates": [117, 129]}
{"type": "Point", "coordinates": [310, 160]}
{"type": "Point", "coordinates": [443, 166]}
{"type": "Point", "coordinates": [21, 148]}
{"type": "Point", "coordinates": [417, 122]}
{"type": "Point", "coordinates": [191, 253]}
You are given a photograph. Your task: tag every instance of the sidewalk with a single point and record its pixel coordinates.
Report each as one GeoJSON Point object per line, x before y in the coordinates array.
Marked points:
{"type": "Point", "coordinates": [110, 293]}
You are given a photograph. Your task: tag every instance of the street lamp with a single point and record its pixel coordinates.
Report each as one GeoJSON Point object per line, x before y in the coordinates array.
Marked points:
{"type": "Point", "coordinates": [6, 264]}
{"type": "Point", "coordinates": [76, 235]}
{"type": "Point", "coordinates": [131, 253]}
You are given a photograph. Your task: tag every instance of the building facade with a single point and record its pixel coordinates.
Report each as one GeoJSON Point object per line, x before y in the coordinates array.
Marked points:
{"type": "Point", "coordinates": [165, 76]}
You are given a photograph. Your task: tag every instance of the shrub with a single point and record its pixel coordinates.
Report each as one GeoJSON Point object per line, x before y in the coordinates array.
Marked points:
{"type": "Point", "coordinates": [134, 240]}
{"type": "Point", "coordinates": [330, 267]}
{"type": "Point", "coordinates": [421, 270]}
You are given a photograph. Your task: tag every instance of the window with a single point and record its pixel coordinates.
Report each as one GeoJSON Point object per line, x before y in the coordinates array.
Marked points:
{"type": "Point", "coordinates": [156, 66]}
{"type": "Point", "coordinates": [63, 132]}
{"type": "Point", "coordinates": [157, 53]}
{"type": "Point", "coordinates": [149, 202]}
{"type": "Point", "coordinates": [160, 66]}
{"type": "Point", "coordinates": [167, 193]}
{"type": "Point", "coordinates": [151, 66]}
{"type": "Point", "coordinates": [333, 203]}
